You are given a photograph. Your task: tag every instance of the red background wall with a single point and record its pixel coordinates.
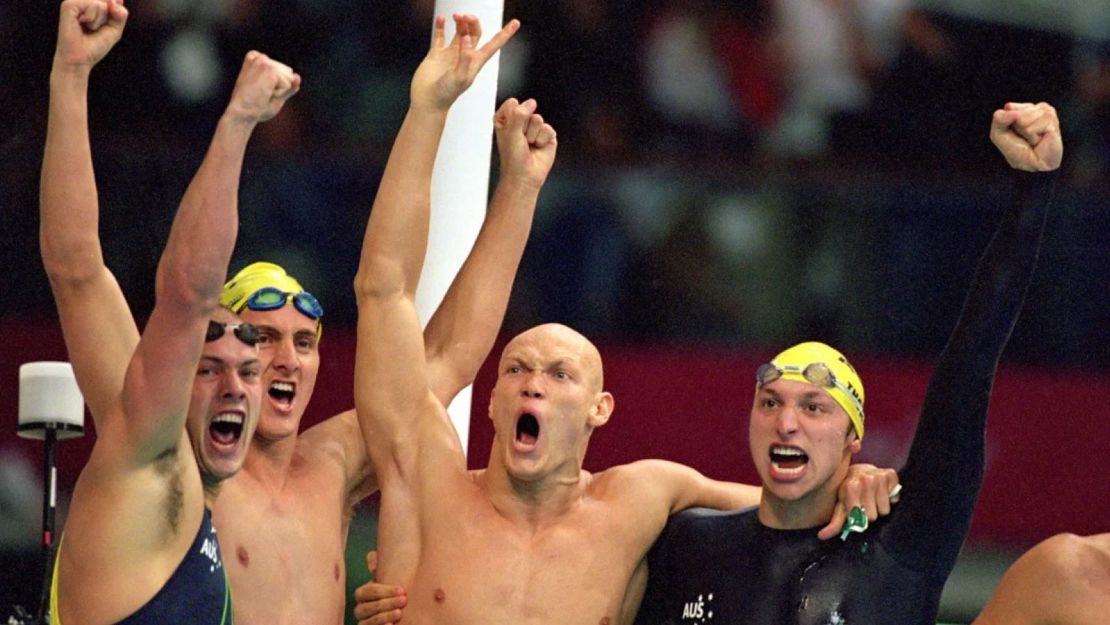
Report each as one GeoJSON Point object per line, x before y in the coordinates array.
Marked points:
{"type": "Point", "coordinates": [1048, 433]}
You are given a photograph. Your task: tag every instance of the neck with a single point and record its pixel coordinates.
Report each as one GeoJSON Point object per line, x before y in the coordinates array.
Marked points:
{"type": "Point", "coordinates": [269, 461]}
{"type": "Point", "coordinates": [812, 509]}
{"type": "Point", "coordinates": [536, 502]}
{"type": "Point", "coordinates": [211, 490]}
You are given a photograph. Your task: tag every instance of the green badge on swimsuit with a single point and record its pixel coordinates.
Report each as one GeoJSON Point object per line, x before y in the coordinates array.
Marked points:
{"type": "Point", "coordinates": [857, 522]}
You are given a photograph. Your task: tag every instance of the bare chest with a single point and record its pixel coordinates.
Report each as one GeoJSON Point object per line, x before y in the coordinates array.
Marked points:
{"type": "Point", "coordinates": [577, 573]}
{"type": "Point", "coordinates": [284, 552]}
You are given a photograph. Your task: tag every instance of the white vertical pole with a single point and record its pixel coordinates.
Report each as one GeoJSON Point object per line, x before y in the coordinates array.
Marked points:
{"type": "Point", "coordinates": [460, 183]}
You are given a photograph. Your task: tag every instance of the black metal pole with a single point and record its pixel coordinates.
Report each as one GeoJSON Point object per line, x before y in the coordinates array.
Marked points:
{"type": "Point", "coordinates": [50, 485]}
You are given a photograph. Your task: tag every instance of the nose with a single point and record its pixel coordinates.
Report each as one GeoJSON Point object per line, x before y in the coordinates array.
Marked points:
{"type": "Point", "coordinates": [787, 422]}
{"type": "Point", "coordinates": [533, 388]}
{"type": "Point", "coordinates": [285, 356]}
{"type": "Point", "coordinates": [232, 388]}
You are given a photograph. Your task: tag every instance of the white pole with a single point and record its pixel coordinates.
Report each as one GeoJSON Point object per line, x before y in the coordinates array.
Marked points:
{"type": "Point", "coordinates": [460, 183]}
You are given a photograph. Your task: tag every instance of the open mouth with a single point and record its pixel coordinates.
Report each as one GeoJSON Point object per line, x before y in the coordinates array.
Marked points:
{"type": "Point", "coordinates": [788, 460]}
{"type": "Point", "coordinates": [527, 429]}
{"type": "Point", "coordinates": [226, 428]}
{"type": "Point", "coordinates": [282, 394]}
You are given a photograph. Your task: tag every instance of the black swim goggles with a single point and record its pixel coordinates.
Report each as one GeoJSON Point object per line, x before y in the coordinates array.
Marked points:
{"type": "Point", "coordinates": [272, 298]}
{"type": "Point", "coordinates": [245, 332]}
{"type": "Point", "coordinates": [815, 373]}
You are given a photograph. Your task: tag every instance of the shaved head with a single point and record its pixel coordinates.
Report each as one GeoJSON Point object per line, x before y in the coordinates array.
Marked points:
{"type": "Point", "coordinates": [560, 338]}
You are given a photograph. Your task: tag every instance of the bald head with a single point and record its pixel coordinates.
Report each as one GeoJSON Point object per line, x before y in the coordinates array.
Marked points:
{"type": "Point", "coordinates": [557, 340]}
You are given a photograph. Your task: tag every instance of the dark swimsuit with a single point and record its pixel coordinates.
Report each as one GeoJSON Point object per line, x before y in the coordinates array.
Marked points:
{"type": "Point", "coordinates": [196, 594]}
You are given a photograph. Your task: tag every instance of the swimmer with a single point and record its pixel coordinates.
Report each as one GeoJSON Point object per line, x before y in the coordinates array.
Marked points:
{"type": "Point", "coordinates": [175, 408]}
{"type": "Point", "coordinates": [532, 537]}
{"type": "Point", "coordinates": [807, 420]}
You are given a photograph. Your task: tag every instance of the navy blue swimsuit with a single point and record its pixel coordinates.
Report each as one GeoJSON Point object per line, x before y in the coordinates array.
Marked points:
{"type": "Point", "coordinates": [196, 594]}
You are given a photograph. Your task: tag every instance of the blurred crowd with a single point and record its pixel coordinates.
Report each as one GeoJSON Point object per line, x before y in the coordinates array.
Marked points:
{"type": "Point", "coordinates": [740, 172]}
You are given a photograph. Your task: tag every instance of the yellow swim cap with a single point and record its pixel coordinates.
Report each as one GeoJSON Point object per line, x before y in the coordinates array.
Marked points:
{"type": "Point", "coordinates": [260, 275]}
{"type": "Point", "coordinates": [845, 385]}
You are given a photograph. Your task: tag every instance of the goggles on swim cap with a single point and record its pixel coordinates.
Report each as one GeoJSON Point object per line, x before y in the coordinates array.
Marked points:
{"type": "Point", "coordinates": [272, 298]}
{"type": "Point", "coordinates": [821, 365]}
{"type": "Point", "coordinates": [245, 332]}
{"type": "Point", "coordinates": [265, 286]}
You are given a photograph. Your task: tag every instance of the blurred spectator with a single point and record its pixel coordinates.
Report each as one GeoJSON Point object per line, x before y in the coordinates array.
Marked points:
{"type": "Point", "coordinates": [831, 52]}
{"type": "Point", "coordinates": [706, 76]}
{"type": "Point", "coordinates": [582, 70]}
{"type": "Point", "coordinates": [1091, 148]}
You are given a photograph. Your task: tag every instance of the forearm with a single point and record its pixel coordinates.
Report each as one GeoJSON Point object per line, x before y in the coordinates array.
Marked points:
{"type": "Point", "coordinates": [397, 233]}
{"type": "Point", "coordinates": [464, 327]}
{"type": "Point", "coordinates": [69, 242]}
{"type": "Point", "coordinates": [202, 238]}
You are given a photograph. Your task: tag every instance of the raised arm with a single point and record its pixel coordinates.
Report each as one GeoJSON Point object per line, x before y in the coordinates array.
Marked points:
{"type": "Point", "coordinates": [464, 327]}
{"type": "Point", "coordinates": [391, 377]}
{"type": "Point", "coordinates": [192, 268]}
{"type": "Point", "coordinates": [99, 331]}
{"type": "Point", "coordinates": [945, 467]}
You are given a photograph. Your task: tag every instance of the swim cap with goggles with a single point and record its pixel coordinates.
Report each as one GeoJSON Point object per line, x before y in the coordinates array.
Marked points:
{"type": "Point", "coordinates": [266, 286]}
{"type": "Point", "coordinates": [817, 363]}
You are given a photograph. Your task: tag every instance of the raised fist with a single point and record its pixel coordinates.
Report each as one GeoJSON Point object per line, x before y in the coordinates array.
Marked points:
{"type": "Point", "coordinates": [87, 30]}
{"type": "Point", "coordinates": [262, 88]}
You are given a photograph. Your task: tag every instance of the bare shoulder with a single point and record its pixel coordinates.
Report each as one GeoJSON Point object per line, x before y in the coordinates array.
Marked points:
{"type": "Point", "coordinates": [1087, 557]}
{"type": "Point", "coordinates": [1063, 580]}
{"type": "Point", "coordinates": [331, 439]}
{"type": "Point", "coordinates": [642, 481]}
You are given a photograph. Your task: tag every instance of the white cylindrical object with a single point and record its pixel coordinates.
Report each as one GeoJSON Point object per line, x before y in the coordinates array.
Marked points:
{"type": "Point", "coordinates": [460, 182]}
{"type": "Point", "coordinates": [49, 399]}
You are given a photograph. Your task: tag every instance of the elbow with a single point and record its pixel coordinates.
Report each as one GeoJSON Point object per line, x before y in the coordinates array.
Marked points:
{"type": "Point", "coordinates": [377, 280]}
{"type": "Point", "coordinates": [69, 265]}
{"type": "Point", "coordinates": [179, 286]}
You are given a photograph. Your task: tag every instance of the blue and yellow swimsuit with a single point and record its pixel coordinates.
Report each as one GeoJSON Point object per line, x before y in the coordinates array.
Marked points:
{"type": "Point", "coordinates": [196, 594]}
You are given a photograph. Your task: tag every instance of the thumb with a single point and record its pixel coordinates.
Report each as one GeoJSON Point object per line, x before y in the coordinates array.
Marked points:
{"type": "Point", "coordinates": [833, 528]}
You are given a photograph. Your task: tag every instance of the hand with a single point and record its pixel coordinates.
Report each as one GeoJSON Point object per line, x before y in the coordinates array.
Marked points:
{"type": "Point", "coordinates": [87, 30]}
{"type": "Point", "coordinates": [525, 143]}
{"type": "Point", "coordinates": [378, 604]}
{"type": "Point", "coordinates": [447, 71]}
{"type": "Point", "coordinates": [262, 88]}
{"type": "Point", "coordinates": [1028, 135]}
{"type": "Point", "coordinates": [867, 487]}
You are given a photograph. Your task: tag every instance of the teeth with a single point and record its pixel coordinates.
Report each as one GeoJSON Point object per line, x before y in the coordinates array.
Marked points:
{"type": "Point", "coordinates": [787, 451]}
{"type": "Point", "coordinates": [228, 417]}
{"type": "Point", "coordinates": [794, 471]}
{"type": "Point", "coordinates": [282, 386]}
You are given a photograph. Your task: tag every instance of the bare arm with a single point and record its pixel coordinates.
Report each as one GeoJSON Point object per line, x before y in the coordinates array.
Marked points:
{"type": "Point", "coordinates": [1064, 580]}
{"type": "Point", "coordinates": [192, 268]}
{"type": "Point", "coordinates": [391, 378]}
{"type": "Point", "coordinates": [100, 333]}
{"type": "Point", "coordinates": [464, 327]}
{"type": "Point", "coordinates": [681, 487]}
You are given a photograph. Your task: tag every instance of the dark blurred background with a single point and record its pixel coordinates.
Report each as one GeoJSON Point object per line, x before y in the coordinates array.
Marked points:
{"type": "Point", "coordinates": [732, 178]}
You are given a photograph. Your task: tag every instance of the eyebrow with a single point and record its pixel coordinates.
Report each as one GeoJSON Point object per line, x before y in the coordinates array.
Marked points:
{"type": "Point", "coordinates": [815, 395]}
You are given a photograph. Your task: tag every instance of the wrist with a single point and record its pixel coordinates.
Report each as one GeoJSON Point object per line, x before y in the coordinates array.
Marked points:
{"type": "Point", "coordinates": [424, 108]}
{"type": "Point", "coordinates": [67, 74]}
{"type": "Point", "coordinates": [520, 183]}
{"type": "Point", "coordinates": [237, 125]}
{"type": "Point", "coordinates": [235, 119]}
